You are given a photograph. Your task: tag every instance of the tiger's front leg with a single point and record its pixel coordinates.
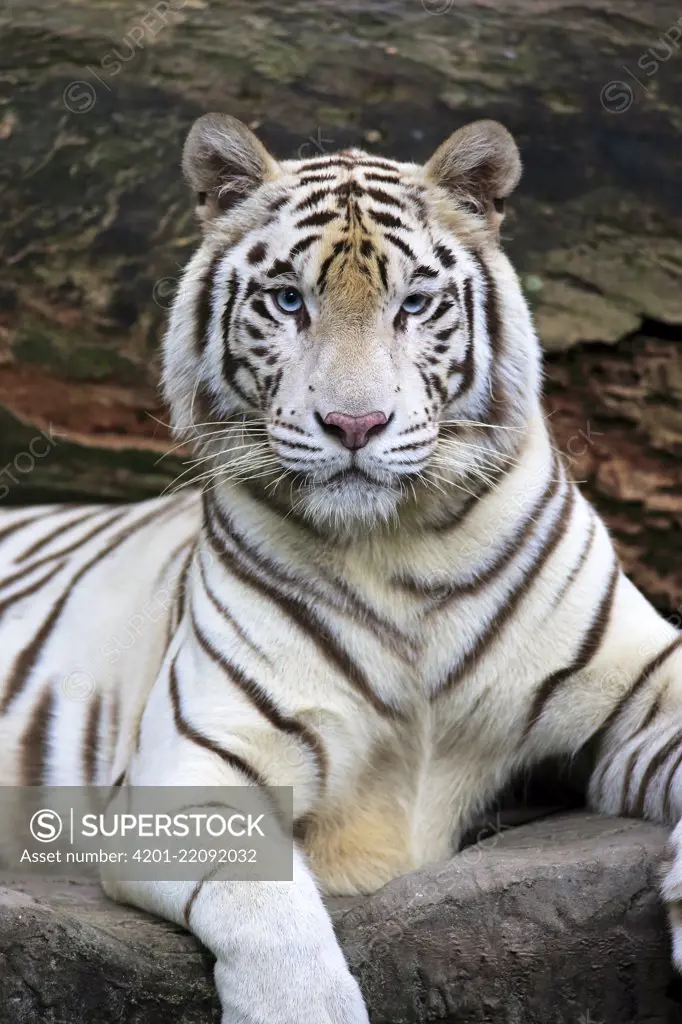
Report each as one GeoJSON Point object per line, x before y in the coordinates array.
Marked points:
{"type": "Point", "coordinates": [622, 694]}
{"type": "Point", "coordinates": [638, 772]}
{"type": "Point", "coordinates": [277, 958]}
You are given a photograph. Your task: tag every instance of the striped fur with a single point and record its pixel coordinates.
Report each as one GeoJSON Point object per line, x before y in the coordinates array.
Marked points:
{"type": "Point", "coordinates": [395, 631]}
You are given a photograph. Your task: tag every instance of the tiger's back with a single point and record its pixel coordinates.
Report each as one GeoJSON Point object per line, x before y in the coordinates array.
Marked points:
{"type": "Point", "coordinates": [88, 596]}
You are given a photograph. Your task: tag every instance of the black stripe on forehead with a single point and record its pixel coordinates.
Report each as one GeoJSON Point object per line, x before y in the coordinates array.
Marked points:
{"type": "Point", "coordinates": [346, 159]}
{"type": "Point", "coordinates": [315, 197]}
{"type": "Point", "coordinates": [302, 245]}
{"type": "Point", "coordinates": [387, 220]}
{"type": "Point", "coordinates": [311, 179]}
{"type": "Point", "coordinates": [340, 247]}
{"type": "Point", "coordinates": [388, 179]}
{"type": "Point", "coordinates": [399, 244]}
{"type": "Point", "coordinates": [347, 189]}
{"type": "Point", "coordinates": [444, 255]}
{"type": "Point", "coordinates": [325, 164]}
{"type": "Point", "coordinates": [316, 220]}
{"type": "Point", "coordinates": [354, 213]}
{"type": "Point", "coordinates": [380, 195]}
{"type": "Point", "coordinates": [382, 165]}
{"type": "Point", "coordinates": [257, 253]}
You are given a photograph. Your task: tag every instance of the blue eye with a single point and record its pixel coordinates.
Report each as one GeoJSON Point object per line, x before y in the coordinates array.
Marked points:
{"type": "Point", "coordinates": [416, 303]}
{"type": "Point", "coordinates": [289, 300]}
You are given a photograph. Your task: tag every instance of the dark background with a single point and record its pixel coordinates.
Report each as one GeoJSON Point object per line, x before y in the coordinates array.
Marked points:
{"type": "Point", "coordinates": [97, 96]}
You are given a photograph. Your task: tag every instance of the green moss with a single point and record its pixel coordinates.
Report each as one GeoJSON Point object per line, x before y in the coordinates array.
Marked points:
{"type": "Point", "coordinates": [338, 116]}
{"type": "Point", "coordinates": [89, 363]}
{"type": "Point", "coordinates": [49, 345]}
{"type": "Point", "coordinates": [74, 472]}
{"type": "Point", "coordinates": [33, 346]}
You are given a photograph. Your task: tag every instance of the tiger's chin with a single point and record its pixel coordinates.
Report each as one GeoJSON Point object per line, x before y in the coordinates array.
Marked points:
{"type": "Point", "coordinates": [349, 503]}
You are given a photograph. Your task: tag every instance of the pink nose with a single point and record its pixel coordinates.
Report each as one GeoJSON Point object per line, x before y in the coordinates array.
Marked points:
{"type": "Point", "coordinates": [355, 431]}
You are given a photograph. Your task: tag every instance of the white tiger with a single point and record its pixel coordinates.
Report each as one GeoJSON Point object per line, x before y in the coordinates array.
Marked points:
{"type": "Point", "coordinates": [403, 602]}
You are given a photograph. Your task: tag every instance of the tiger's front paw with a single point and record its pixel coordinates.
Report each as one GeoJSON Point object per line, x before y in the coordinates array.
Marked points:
{"type": "Point", "coordinates": [290, 984]}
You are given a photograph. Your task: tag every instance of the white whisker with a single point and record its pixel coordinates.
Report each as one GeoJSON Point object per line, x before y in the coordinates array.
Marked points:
{"type": "Point", "coordinates": [478, 423]}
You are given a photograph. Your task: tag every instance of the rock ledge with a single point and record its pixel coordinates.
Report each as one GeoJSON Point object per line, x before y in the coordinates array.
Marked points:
{"type": "Point", "coordinates": [557, 922]}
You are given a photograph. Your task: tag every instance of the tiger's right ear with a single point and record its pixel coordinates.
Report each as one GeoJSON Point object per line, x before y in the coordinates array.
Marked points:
{"type": "Point", "coordinates": [223, 162]}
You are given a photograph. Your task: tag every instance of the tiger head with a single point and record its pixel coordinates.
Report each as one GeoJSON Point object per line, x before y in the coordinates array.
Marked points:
{"type": "Point", "coordinates": [349, 336]}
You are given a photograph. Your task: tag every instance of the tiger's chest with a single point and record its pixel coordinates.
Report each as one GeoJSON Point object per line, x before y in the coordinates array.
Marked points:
{"type": "Point", "coordinates": [403, 788]}
{"type": "Point", "coordinates": [406, 807]}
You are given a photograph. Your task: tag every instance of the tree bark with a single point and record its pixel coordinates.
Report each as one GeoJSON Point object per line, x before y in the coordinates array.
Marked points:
{"type": "Point", "coordinates": [97, 222]}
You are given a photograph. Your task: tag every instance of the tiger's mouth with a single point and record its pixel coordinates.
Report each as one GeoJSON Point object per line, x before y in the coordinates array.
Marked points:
{"type": "Point", "coordinates": [350, 474]}
{"type": "Point", "coordinates": [357, 479]}
{"type": "Point", "coordinates": [348, 500]}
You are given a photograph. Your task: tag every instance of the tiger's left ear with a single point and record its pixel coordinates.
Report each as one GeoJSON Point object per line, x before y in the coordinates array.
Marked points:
{"type": "Point", "coordinates": [479, 165]}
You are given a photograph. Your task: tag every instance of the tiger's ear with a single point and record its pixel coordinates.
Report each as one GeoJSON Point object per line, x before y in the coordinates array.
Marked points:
{"type": "Point", "coordinates": [480, 165]}
{"type": "Point", "coordinates": [223, 162]}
